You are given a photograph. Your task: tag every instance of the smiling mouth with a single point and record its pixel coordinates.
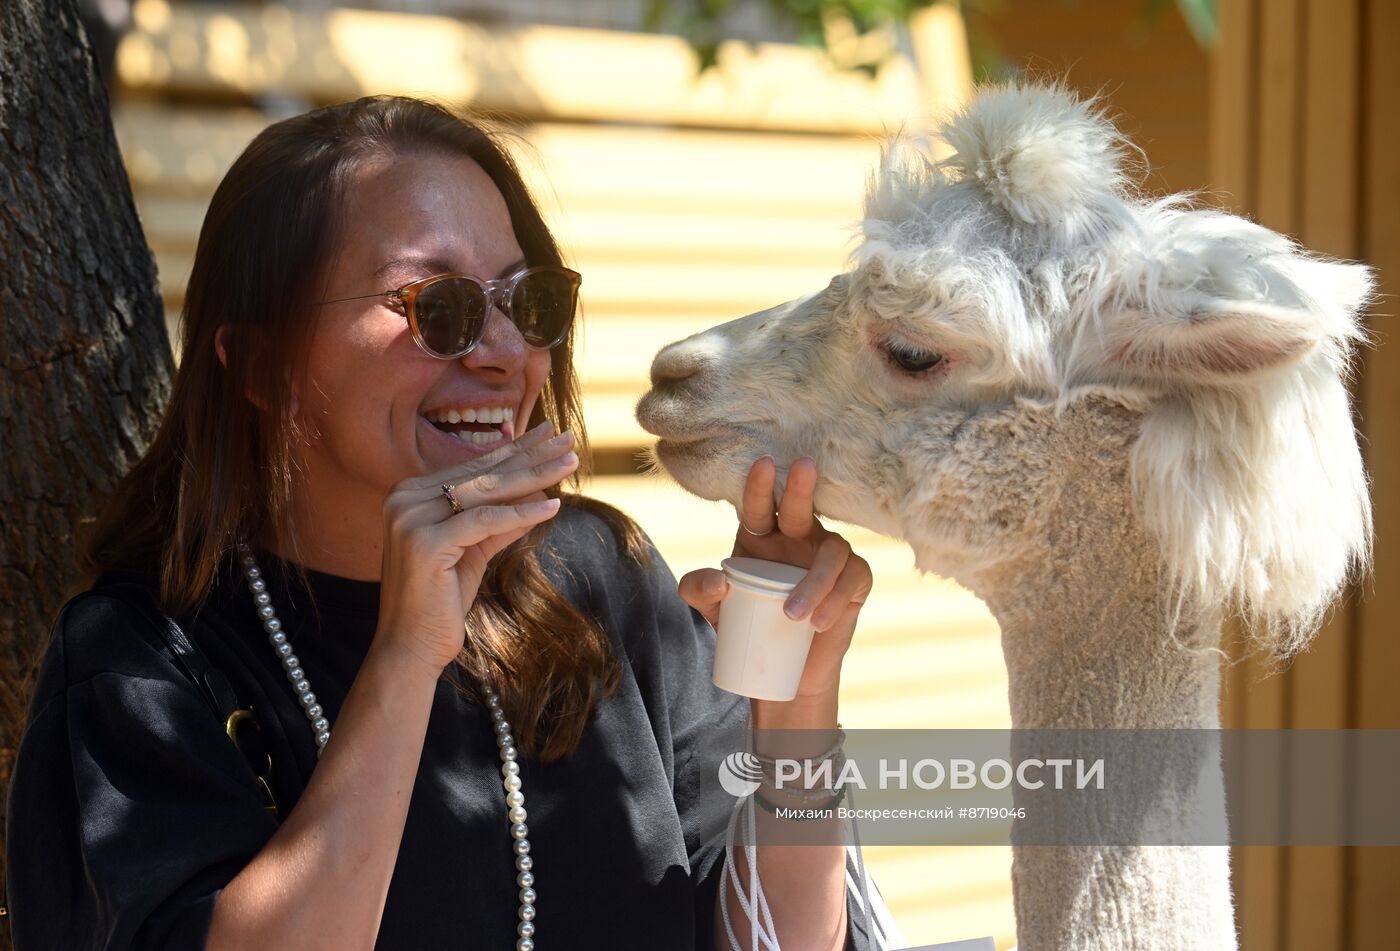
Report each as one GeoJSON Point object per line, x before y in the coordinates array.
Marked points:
{"type": "Point", "coordinates": [478, 426]}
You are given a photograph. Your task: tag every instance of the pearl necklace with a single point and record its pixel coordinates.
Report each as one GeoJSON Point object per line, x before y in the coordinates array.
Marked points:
{"type": "Point", "coordinates": [321, 730]}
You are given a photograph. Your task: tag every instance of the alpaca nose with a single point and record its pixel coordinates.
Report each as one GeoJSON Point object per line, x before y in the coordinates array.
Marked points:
{"type": "Point", "coordinates": [676, 364]}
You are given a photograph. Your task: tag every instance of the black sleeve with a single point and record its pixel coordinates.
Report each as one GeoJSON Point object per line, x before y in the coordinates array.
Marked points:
{"type": "Point", "coordinates": [129, 808]}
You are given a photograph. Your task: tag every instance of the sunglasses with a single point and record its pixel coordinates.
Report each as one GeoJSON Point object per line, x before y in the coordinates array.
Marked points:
{"type": "Point", "coordinates": [447, 313]}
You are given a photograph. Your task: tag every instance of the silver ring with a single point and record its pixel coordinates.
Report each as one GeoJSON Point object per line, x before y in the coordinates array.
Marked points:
{"type": "Point", "coordinates": [754, 533]}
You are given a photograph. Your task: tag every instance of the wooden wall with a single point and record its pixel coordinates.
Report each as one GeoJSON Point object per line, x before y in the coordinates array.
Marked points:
{"type": "Point", "coordinates": [1305, 126]}
{"type": "Point", "coordinates": [1152, 73]}
{"type": "Point", "coordinates": [1295, 121]}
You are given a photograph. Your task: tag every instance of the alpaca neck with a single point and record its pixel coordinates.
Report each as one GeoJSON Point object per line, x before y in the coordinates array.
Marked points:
{"type": "Point", "coordinates": [1087, 647]}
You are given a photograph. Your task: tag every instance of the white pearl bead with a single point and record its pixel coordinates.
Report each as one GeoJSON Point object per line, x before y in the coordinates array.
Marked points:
{"type": "Point", "coordinates": [525, 944]}
{"type": "Point", "coordinates": [320, 727]}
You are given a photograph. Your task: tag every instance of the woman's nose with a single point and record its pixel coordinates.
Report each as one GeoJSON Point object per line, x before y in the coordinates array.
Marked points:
{"type": "Point", "coordinates": [502, 348]}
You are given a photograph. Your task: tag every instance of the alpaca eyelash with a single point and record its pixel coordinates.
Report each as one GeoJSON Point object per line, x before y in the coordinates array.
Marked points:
{"type": "Point", "coordinates": [909, 358]}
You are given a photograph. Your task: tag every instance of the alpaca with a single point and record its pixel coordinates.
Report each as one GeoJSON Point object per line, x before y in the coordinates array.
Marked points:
{"type": "Point", "coordinates": [1117, 420]}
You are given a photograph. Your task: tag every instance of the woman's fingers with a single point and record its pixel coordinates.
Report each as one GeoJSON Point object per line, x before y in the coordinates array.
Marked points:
{"type": "Point", "coordinates": [542, 451]}
{"type": "Point", "coordinates": [850, 591]}
{"type": "Point", "coordinates": [795, 515]}
{"type": "Point", "coordinates": [830, 561]}
{"type": "Point", "coordinates": [704, 589]}
{"type": "Point", "coordinates": [531, 439]}
{"type": "Point", "coordinates": [483, 522]}
{"type": "Point", "coordinates": [756, 508]}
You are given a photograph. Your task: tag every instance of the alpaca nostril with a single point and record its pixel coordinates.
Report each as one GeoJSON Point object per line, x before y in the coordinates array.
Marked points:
{"type": "Point", "coordinates": [673, 366]}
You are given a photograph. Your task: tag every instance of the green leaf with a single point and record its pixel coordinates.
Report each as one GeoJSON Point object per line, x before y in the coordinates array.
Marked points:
{"type": "Point", "coordinates": [1201, 19]}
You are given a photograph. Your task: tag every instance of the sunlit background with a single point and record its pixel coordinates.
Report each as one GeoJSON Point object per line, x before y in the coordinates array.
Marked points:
{"type": "Point", "coordinates": [687, 198]}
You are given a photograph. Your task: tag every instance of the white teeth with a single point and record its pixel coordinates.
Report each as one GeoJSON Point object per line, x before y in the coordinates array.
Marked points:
{"type": "Point", "coordinates": [479, 439]}
{"type": "Point", "coordinates": [468, 414]}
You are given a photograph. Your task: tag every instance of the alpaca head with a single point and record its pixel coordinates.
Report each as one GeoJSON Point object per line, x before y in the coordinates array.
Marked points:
{"type": "Point", "coordinates": [1019, 327]}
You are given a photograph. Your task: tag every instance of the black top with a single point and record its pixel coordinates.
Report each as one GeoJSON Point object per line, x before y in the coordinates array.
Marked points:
{"type": "Point", "coordinates": [130, 809]}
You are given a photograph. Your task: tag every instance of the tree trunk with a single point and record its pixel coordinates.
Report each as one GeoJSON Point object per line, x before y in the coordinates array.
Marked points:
{"type": "Point", "coordinates": [86, 362]}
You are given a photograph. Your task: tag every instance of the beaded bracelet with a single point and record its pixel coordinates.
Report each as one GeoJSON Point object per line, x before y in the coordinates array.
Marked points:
{"type": "Point", "coordinates": [806, 813]}
{"type": "Point", "coordinates": [806, 794]}
{"type": "Point", "coordinates": [769, 762]}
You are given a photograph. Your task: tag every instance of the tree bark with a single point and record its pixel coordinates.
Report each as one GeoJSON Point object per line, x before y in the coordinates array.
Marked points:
{"type": "Point", "coordinates": [84, 358]}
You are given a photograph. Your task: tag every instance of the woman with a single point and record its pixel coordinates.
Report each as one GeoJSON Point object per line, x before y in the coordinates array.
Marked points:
{"type": "Point", "coordinates": [374, 410]}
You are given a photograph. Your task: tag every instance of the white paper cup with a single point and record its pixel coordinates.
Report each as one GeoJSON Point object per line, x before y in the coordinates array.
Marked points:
{"type": "Point", "coordinates": [761, 652]}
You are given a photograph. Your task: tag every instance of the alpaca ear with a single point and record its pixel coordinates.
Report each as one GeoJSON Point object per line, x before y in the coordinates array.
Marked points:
{"type": "Point", "coordinates": [1265, 321]}
{"type": "Point", "coordinates": [900, 188]}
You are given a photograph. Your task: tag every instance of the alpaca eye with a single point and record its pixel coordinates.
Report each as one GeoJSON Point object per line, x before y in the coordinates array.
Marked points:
{"type": "Point", "coordinates": [909, 358]}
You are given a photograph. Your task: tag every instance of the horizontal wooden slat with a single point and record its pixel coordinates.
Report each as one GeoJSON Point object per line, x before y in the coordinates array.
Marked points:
{"type": "Point", "coordinates": [532, 71]}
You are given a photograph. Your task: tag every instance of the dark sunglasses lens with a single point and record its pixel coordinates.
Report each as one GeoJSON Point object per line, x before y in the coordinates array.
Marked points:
{"type": "Point", "coordinates": [543, 307]}
{"type": "Point", "coordinates": [451, 314]}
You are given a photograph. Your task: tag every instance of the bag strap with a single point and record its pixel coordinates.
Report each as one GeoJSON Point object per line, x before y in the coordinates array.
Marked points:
{"type": "Point", "coordinates": [218, 693]}
{"type": "Point", "coordinates": [211, 682]}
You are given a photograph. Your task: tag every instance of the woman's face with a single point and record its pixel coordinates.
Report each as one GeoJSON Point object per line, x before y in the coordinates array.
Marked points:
{"type": "Point", "coordinates": [376, 407]}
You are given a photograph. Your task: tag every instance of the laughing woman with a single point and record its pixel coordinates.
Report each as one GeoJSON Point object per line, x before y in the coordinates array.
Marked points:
{"type": "Point", "coordinates": [374, 411]}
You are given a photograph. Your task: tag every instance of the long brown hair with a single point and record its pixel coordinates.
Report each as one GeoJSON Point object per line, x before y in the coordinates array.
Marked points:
{"type": "Point", "coordinates": [222, 468]}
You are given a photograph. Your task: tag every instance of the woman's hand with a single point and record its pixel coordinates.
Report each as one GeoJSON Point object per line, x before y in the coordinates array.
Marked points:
{"type": "Point", "coordinates": [434, 560]}
{"type": "Point", "coordinates": [838, 581]}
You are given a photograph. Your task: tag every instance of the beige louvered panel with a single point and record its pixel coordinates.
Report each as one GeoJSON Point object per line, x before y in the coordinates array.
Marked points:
{"type": "Point", "coordinates": [677, 230]}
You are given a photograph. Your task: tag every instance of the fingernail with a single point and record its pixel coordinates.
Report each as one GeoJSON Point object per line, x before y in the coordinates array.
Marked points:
{"type": "Point", "coordinates": [795, 607]}
{"type": "Point", "coordinates": [563, 439]}
{"type": "Point", "coordinates": [548, 505]}
{"type": "Point", "coordinates": [568, 459]}
{"type": "Point", "coordinates": [715, 584]}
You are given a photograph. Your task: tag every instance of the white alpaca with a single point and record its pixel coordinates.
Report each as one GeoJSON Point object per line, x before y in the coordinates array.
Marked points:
{"type": "Point", "coordinates": [1116, 420]}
